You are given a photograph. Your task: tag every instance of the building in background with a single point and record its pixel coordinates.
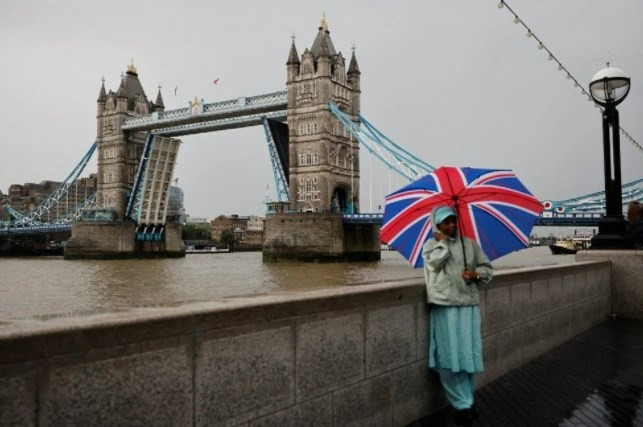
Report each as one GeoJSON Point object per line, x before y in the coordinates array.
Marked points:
{"type": "Point", "coordinates": [176, 209]}
{"type": "Point", "coordinates": [218, 224]}
{"type": "Point", "coordinates": [196, 220]}
{"type": "Point", "coordinates": [26, 197]}
{"type": "Point", "coordinates": [248, 230]}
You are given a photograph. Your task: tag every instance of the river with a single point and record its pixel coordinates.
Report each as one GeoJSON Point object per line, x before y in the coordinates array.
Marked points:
{"type": "Point", "coordinates": [45, 287]}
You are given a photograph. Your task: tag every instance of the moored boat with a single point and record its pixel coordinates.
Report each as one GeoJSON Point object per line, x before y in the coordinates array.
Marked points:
{"type": "Point", "coordinates": [563, 247]}
{"type": "Point", "coordinates": [205, 250]}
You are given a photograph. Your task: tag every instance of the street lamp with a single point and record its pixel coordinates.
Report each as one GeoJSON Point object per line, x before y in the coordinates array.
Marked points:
{"type": "Point", "coordinates": [608, 88]}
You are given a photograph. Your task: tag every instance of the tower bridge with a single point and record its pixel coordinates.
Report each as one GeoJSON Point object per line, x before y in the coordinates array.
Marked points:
{"type": "Point", "coordinates": [314, 131]}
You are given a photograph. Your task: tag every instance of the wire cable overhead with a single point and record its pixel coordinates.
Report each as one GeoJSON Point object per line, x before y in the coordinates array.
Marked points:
{"type": "Point", "coordinates": [551, 57]}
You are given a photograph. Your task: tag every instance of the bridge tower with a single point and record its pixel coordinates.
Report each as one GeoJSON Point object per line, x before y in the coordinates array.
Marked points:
{"type": "Point", "coordinates": [119, 152]}
{"type": "Point", "coordinates": [323, 157]}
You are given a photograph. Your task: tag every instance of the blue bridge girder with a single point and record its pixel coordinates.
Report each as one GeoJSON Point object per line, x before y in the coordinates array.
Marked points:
{"type": "Point", "coordinates": [230, 114]}
{"type": "Point", "coordinates": [35, 229]}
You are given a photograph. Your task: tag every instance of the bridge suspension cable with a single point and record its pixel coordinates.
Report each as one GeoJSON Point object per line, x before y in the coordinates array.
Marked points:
{"type": "Point", "coordinates": [35, 215]}
{"type": "Point", "coordinates": [410, 167]}
{"type": "Point", "coordinates": [541, 46]}
{"type": "Point", "coordinates": [382, 147]}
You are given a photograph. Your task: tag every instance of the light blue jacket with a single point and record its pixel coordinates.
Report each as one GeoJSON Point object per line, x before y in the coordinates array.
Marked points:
{"type": "Point", "coordinates": [443, 267]}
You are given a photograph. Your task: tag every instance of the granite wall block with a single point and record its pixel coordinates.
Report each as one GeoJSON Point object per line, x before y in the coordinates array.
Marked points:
{"type": "Point", "coordinates": [330, 353]}
{"type": "Point", "coordinates": [240, 377]}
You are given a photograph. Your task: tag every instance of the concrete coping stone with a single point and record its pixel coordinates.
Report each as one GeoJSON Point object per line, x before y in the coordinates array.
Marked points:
{"type": "Point", "coordinates": [507, 277]}
{"type": "Point", "coordinates": [28, 339]}
{"type": "Point", "coordinates": [609, 253]}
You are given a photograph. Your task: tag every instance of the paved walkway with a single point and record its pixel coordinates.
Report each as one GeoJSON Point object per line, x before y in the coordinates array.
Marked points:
{"type": "Point", "coordinates": [595, 379]}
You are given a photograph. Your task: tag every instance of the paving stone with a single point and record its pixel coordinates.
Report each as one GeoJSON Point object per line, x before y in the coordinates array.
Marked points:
{"type": "Point", "coordinates": [593, 379]}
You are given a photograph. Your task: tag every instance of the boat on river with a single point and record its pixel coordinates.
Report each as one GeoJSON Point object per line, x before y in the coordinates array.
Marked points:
{"type": "Point", "coordinates": [205, 250]}
{"type": "Point", "coordinates": [563, 247]}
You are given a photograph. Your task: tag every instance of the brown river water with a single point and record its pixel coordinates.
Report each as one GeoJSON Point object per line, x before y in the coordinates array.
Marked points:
{"type": "Point", "coordinates": [46, 287]}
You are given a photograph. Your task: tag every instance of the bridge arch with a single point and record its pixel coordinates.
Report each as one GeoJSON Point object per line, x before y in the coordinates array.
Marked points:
{"type": "Point", "coordinates": [342, 199]}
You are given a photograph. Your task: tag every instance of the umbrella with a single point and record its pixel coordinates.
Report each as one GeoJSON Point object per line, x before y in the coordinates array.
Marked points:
{"type": "Point", "coordinates": [493, 208]}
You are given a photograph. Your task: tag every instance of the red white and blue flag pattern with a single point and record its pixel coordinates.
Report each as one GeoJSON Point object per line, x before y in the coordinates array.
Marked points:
{"type": "Point", "coordinates": [494, 208]}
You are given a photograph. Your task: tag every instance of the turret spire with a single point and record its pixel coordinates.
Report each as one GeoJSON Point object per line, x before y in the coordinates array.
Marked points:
{"type": "Point", "coordinates": [122, 92]}
{"type": "Point", "coordinates": [131, 69]}
{"type": "Point", "coordinates": [102, 96]}
{"type": "Point", "coordinates": [353, 68]}
{"type": "Point", "coordinates": [293, 57]}
{"type": "Point", "coordinates": [323, 48]}
{"type": "Point", "coordinates": [158, 104]}
{"type": "Point", "coordinates": [323, 24]}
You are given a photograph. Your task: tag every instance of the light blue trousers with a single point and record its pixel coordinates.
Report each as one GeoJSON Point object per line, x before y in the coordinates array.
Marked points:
{"type": "Point", "coordinates": [459, 387]}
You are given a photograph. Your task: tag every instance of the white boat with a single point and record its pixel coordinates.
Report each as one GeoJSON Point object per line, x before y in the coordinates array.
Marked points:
{"type": "Point", "coordinates": [205, 250]}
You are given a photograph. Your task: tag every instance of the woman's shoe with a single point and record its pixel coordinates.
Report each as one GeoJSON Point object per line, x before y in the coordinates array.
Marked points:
{"type": "Point", "coordinates": [475, 412]}
{"type": "Point", "coordinates": [464, 417]}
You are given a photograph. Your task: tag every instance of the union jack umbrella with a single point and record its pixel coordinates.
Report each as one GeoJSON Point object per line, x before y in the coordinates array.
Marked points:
{"type": "Point", "coordinates": [493, 208]}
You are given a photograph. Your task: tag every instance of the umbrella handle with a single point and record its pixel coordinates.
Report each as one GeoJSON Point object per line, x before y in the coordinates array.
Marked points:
{"type": "Point", "coordinates": [464, 253]}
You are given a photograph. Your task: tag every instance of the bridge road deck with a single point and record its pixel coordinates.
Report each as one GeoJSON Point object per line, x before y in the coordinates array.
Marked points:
{"type": "Point", "coordinates": [594, 379]}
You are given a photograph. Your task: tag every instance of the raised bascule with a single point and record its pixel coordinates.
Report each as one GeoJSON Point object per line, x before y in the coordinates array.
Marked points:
{"type": "Point", "coordinates": [314, 157]}
{"type": "Point", "coordinates": [314, 132]}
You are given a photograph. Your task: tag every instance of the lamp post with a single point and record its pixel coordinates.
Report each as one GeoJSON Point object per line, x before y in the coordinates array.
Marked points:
{"type": "Point", "coordinates": [608, 88]}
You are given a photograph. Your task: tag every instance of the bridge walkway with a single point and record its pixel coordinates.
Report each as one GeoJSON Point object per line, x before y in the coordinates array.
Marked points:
{"type": "Point", "coordinates": [595, 379]}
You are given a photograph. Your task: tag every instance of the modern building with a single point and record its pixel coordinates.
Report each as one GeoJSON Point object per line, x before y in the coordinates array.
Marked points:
{"type": "Point", "coordinates": [176, 209]}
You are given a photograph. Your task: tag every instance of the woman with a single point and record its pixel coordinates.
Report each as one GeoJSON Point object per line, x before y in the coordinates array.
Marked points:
{"type": "Point", "coordinates": [455, 345]}
{"type": "Point", "coordinates": [635, 228]}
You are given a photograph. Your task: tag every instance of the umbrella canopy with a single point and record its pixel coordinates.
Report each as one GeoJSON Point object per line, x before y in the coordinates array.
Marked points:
{"type": "Point", "coordinates": [493, 207]}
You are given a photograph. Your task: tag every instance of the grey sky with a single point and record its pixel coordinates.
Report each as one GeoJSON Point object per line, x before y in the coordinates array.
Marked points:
{"type": "Point", "coordinates": [454, 82]}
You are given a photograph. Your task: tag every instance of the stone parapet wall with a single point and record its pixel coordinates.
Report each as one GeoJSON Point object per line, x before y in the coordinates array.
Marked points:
{"type": "Point", "coordinates": [527, 312]}
{"type": "Point", "coordinates": [627, 279]}
{"type": "Point", "coordinates": [338, 356]}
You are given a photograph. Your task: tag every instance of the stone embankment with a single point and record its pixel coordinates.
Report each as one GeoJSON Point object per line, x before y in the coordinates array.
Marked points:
{"type": "Point", "coordinates": [335, 356]}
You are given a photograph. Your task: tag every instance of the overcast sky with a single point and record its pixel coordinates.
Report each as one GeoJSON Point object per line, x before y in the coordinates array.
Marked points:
{"type": "Point", "coordinates": [454, 82]}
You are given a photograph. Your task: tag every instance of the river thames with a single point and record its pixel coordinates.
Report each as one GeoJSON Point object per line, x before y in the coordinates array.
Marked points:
{"type": "Point", "coordinates": [46, 287]}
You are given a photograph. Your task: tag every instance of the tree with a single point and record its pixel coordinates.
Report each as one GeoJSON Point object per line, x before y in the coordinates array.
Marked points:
{"type": "Point", "coordinates": [196, 232]}
{"type": "Point", "coordinates": [228, 239]}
